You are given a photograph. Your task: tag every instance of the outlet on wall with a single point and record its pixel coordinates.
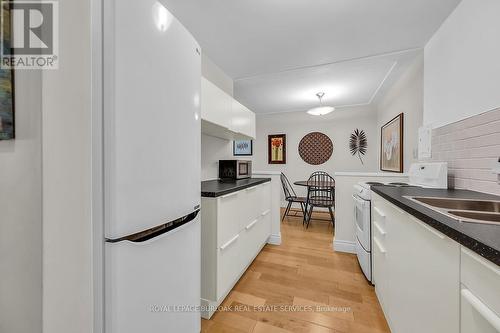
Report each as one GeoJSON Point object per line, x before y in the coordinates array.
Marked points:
{"type": "Point", "coordinates": [424, 143]}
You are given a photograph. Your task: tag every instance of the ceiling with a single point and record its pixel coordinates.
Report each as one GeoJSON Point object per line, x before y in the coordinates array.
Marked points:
{"type": "Point", "coordinates": [350, 83]}
{"type": "Point", "coordinates": [279, 50]}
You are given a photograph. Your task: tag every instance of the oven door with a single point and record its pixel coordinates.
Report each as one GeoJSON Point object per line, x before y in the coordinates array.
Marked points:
{"type": "Point", "coordinates": [362, 221]}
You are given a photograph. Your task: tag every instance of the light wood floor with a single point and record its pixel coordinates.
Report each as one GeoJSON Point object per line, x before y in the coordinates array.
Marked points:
{"type": "Point", "coordinates": [303, 272]}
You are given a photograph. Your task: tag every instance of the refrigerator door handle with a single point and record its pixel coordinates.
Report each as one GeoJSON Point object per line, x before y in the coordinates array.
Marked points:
{"type": "Point", "coordinates": [154, 232]}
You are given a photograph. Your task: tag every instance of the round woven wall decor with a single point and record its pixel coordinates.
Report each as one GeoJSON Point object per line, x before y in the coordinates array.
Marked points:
{"type": "Point", "coordinates": [315, 148]}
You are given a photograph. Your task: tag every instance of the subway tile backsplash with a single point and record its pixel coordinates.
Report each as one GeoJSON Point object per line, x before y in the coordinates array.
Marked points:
{"type": "Point", "coordinates": [471, 147]}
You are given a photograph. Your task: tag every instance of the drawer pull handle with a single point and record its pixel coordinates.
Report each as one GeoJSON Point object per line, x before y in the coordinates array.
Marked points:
{"type": "Point", "coordinates": [379, 212]}
{"type": "Point", "coordinates": [482, 309]}
{"type": "Point", "coordinates": [229, 195]}
{"type": "Point", "coordinates": [251, 188]}
{"type": "Point", "coordinates": [231, 241]}
{"type": "Point", "coordinates": [380, 230]}
{"type": "Point", "coordinates": [430, 229]}
{"type": "Point", "coordinates": [266, 212]}
{"type": "Point", "coordinates": [248, 227]}
{"type": "Point", "coordinates": [379, 246]}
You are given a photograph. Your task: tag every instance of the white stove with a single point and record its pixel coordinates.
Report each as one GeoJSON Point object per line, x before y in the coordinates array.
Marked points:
{"type": "Point", "coordinates": [428, 175]}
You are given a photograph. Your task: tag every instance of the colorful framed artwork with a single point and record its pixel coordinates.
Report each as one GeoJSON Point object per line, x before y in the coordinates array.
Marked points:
{"type": "Point", "coordinates": [242, 148]}
{"type": "Point", "coordinates": [276, 147]}
{"type": "Point", "coordinates": [391, 149]}
{"type": "Point", "coordinates": [7, 119]}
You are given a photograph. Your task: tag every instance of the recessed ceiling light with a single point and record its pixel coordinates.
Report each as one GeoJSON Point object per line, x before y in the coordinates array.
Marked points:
{"type": "Point", "coordinates": [321, 110]}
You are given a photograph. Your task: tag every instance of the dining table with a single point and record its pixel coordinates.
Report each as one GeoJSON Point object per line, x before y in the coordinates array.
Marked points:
{"type": "Point", "coordinates": [312, 183]}
{"type": "Point", "coordinates": [317, 184]}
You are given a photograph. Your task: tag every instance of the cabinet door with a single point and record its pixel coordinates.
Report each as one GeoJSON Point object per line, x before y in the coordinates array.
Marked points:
{"type": "Point", "coordinates": [243, 120]}
{"type": "Point", "coordinates": [229, 215]}
{"type": "Point", "coordinates": [250, 208]}
{"type": "Point", "coordinates": [475, 316]}
{"type": "Point", "coordinates": [229, 264]}
{"type": "Point", "coordinates": [380, 271]}
{"type": "Point", "coordinates": [249, 128]}
{"type": "Point", "coordinates": [265, 198]}
{"type": "Point", "coordinates": [424, 268]}
{"type": "Point", "coordinates": [480, 304]}
{"type": "Point", "coordinates": [216, 105]}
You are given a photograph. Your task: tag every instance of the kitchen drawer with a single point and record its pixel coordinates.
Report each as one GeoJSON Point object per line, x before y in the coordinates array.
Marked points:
{"type": "Point", "coordinates": [380, 273]}
{"type": "Point", "coordinates": [254, 236]}
{"type": "Point", "coordinates": [379, 223]}
{"type": "Point", "coordinates": [475, 316]}
{"type": "Point", "coordinates": [265, 197]}
{"type": "Point", "coordinates": [229, 215]}
{"type": "Point", "coordinates": [250, 240]}
{"type": "Point", "coordinates": [266, 225]}
{"type": "Point", "coordinates": [250, 208]}
{"type": "Point", "coordinates": [229, 264]}
{"type": "Point", "coordinates": [482, 278]}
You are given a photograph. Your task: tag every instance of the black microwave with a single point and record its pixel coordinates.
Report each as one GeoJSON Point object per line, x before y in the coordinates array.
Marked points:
{"type": "Point", "coordinates": [235, 169]}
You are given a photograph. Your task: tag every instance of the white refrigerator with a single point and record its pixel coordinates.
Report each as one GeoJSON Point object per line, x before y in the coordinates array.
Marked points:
{"type": "Point", "coordinates": [152, 74]}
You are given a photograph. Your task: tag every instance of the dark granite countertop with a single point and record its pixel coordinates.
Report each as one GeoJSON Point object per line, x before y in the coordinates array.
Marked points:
{"type": "Point", "coordinates": [216, 188]}
{"type": "Point", "coordinates": [484, 239]}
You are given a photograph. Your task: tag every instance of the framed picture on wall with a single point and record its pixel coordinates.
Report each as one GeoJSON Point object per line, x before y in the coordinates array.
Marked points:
{"type": "Point", "coordinates": [242, 148]}
{"type": "Point", "coordinates": [391, 149]}
{"type": "Point", "coordinates": [276, 149]}
{"type": "Point", "coordinates": [7, 119]}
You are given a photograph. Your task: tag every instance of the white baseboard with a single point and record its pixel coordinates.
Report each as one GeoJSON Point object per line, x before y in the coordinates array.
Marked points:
{"type": "Point", "coordinates": [344, 246]}
{"type": "Point", "coordinates": [208, 308]}
{"type": "Point", "coordinates": [274, 239]}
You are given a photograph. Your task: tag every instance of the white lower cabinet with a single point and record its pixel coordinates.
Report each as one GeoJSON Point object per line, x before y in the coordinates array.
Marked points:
{"type": "Point", "coordinates": [234, 229]}
{"type": "Point", "coordinates": [480, 294]}
{"type": "Point", "coordinates": [426, 282]}
{"type": "Point", "coordinates": [228, 264]}
{"type": "Point", "coordinates": [416, 272]}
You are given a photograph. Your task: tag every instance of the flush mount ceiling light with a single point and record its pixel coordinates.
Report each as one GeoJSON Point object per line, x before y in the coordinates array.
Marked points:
{"type": "Point", "coordinates": [321, 110]}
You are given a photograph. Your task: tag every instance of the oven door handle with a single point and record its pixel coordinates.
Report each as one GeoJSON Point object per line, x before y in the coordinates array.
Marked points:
{"type": "Point", "coordinates": [359, 201]}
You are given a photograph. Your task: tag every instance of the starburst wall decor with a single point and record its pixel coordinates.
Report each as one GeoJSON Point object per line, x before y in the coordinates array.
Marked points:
{"type": "Point", "coordinates": [358, 144]}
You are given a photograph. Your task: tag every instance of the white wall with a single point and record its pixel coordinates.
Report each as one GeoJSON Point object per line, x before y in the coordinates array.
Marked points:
{"type": "Point", "coordinates": [405, 96]}
{"type": "Point", "coordinates": [215, 75]}
{"type": "Point", "coordinates": [21, 212]}
{"type": "Point", "coordinates": [212, 150]}
{"type": "Point", "coordinates": [338, 126]}
{"type": "Point", "coordinates": [462, 67]}
{"type": "Point", "coordinates": [67, 224]}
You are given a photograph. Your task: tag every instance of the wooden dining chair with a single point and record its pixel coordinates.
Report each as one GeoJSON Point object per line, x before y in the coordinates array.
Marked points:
{"type": "Point", "coordinates": [319, 194]}
{"type": "Point", "coordinates": [291, 197]}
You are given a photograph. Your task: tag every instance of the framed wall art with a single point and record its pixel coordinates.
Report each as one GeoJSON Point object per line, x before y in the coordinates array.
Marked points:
{"type": "Point", "coordinates": [242, 148]}
{"type": "Point", "coordinates": [391, 149]}
{"type": "Point", "coordinates": [315, 148]}
{"type": "Point", "coordinates": [276, 147]}
{"type": "Point", "coordinates": [7, 119]}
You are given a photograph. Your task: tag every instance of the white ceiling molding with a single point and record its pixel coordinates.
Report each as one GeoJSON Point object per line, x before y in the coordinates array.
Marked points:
{"type": "Point", "coordinates": [345, 84]}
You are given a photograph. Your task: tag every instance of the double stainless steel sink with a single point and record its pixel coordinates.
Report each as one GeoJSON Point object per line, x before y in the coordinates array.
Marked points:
{"type": "Point", "coordinates": [463, 210]}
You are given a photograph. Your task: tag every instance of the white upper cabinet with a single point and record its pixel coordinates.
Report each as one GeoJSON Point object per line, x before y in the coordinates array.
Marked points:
{"type": "Point", "coordinates": [224, 117]}
{"type": "Point", "coordinates": [243, 120]}
{"type": "Point", "coordinates": [216, 105]}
